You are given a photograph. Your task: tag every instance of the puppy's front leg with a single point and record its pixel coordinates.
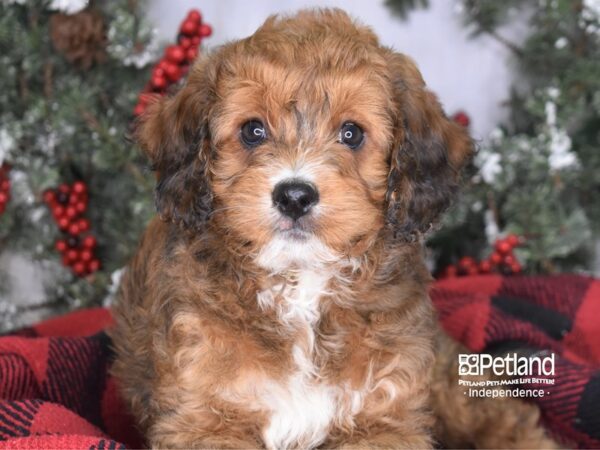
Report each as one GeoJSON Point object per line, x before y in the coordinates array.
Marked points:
{"type": "Point", "coordinates": [405, 424]}
{"type": "Point", "coordinates": [202, 429]}
{"type": "Point", "coordinates": [390, 440]}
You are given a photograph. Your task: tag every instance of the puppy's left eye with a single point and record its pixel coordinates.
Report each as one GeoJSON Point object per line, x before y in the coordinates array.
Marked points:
{"type": "Point", "coordinates": [351, 135]}
{"type": "Point", "coordinates": [253, 133]}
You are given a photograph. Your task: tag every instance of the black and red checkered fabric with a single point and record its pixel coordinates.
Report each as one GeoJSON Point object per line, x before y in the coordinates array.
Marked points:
{"type": "Point", "coordinates": [55, 391]}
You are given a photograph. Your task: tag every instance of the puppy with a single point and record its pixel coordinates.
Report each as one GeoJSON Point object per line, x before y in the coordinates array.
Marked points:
{"type": "Point", "coordinates": [281, 301]}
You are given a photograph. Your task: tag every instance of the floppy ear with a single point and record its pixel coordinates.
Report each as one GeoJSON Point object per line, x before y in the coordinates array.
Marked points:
{"type": "Point", "coordinates": [428, 155]}
{"type": "Point", "coordinates": [173, 132]}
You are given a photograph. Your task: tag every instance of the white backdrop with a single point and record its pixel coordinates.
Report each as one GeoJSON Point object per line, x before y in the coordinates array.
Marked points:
{"type": "Point", "coordinates": [469, 74]}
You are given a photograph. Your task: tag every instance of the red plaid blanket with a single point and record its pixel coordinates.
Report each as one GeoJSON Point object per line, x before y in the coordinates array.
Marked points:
{"type": "Point", "coordinates": [55, 391]}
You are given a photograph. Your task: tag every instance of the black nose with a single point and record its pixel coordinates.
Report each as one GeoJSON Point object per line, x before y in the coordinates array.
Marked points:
{"type": "Point", "coordinates": [294, 198]}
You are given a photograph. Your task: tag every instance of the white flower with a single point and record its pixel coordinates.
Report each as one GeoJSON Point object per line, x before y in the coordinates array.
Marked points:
{"type": "Point", "coordinates": [591, 9]}
{"type": "Point", "coordinates": [550, 109]}
{"type": "Point", "coordinates": [561, 43]}
{"type": "Point", "coordinates": [553, 92]}
{"type": "Point", "coordinates": [496, 135]}
{"type": "Point", "coordinates": [560, 155]}
{"type": "Point", "coordinates": [7, 144]}
{"type": "Point", "coordinates": [492, 232]}
{"type": "Point", "coordinates": [115, 282]}
{"type": "Point", "coordinates": [477, 206]}
{"type": "Point", "coordinates": [490, 167]}
{"type": "Point", "coordinates": [69, 6]}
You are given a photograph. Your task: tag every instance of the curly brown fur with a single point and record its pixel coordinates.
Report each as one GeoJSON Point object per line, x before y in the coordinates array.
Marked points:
{"type": "Point", "coordinates": [233, 333]}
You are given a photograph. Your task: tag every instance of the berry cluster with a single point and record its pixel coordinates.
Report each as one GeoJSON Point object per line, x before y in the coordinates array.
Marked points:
{"type": "Point", "coordinates": [176, 60]}
{"type": "Point", "coordinates": [4, 187]}
{"type": "Point", "coordinates": [68, 205]}
{"type": "Point", "coordinates": [502, 260]}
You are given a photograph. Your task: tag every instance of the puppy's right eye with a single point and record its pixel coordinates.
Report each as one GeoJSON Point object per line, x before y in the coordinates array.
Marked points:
{"type": "Point", "coordinates": [253, 133]}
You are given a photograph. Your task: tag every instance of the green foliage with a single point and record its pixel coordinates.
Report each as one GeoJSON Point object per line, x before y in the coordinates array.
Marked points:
{"type": "Point", "coordinates": [59, 123]}
{"type": "Point", "coordinates": [402, 7]}
{"type": "Point", "coordinates": [547, 188]}
{"type": "Point", "coordinates": [485, 16]}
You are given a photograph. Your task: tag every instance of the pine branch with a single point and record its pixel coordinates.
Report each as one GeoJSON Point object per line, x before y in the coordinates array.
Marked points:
{"type": "Point", "coordinates": [23, 88]}
{"type": "Point", "coordinates": [401, 8]}
{"type": "Point", "coordinates": [48, 77]}
{"type": "Point", "coordinates": [518, 51]}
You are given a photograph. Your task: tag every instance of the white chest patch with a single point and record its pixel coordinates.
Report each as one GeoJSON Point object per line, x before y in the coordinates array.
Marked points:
{"type": "Point", "coordinates": [301, 411]}
{"type": "Point", "coordinates": [302, 408]}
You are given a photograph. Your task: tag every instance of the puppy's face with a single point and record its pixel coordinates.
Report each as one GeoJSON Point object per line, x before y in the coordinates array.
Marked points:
{"type": "Point", "coordinates": [303, 143]}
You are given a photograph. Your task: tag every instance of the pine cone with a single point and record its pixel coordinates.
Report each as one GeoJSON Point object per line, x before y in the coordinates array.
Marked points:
{"type": "Point", "coordinates": [80, 37]}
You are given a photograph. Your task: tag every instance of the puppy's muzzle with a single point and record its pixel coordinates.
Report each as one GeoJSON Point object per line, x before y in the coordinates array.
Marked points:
{"type": "Point", "coordinates": [295, 198]}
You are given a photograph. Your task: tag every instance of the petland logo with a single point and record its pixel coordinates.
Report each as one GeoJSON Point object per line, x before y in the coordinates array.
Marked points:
{"type": "Point", "coordinates": [510, 365]}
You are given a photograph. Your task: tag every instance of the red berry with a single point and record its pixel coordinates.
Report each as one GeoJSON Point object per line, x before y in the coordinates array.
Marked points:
{"type": "Point", "coordinates": [71, 212]}
{"type": "Point", "coordinates": [189, 27]}
{"type": "Point", "coordinates": [485, 267]}
{"type": "Point", "coordinates": [89, 242]}
{"type": "Point", "coordinates": [94, 265]}
{"type": "Point", "coordinates": [466, 262]}
{"type": "Point", "coordinates": [159, 71]}
{"type": "Point", "coordinates": [79, 187]}
{"type": "Point", "coordinates": [162, 64]}
{"type": "Point", "coordinates": [86, 255]}
{"type": "Point", "coordinates": [49, 196]}
{"type": "Point", "coordinates": [63, 223]}
{"type": "Point", "coordinates": [513, 240]}
{"type": "Point", "coordinates": [461, 118]}
{"type": "Point", "coordinates": [80, 207]}
{"type": "Point", "coordinates": [473, 270]}
{"type": "Point", "coordinates": [3, 197]}
{"type": "Point", "coordinates": [73, 199]}
{"type": "Point", "coordinates": [142, 99]}
{"type": "Point", "coordinates": [159, 82]}
{"type": "Point", "coordinates": [58, 211]}
{"type": "Point", "coordinates": [173, 72]}
{"type": "Point", "coordinates": [450, 271]}
{"type": "Point", "coordinates": [175, 54]}
{"type": "Point", "coordinates": [196, 41]}
{"type": "Point", "coordinates": [516, 267]}
{"type": "Point", "coordinates": [72, 255]}
{"type": "Point", "coordinates": [185, 42]}
{"type": "Point", "coordinates": [65, 260]}
{"type": "Point", "coordinates": [64, 188]}
{"type": "Point", "coordinates": [191, 54]}
{"type": "Point", "coordinates": [79, 268]}
{"type": "Point", "coordinates": [148, 98]}
{"type": "Point", "coordinates": [205, 30]}
{"type": "Point", "coordinates": [84, 225]}
{"type": "Point", "coordinates": [139, 109]}
{"type": "Point", "coordinates": [195, 16]}
{"type": "Point", "coordinates": [495, 258]}
{"type": "Point", "coordinates": [509, 260]}
{"type": "Point", "coordinates": [61, 245]}
{"type": "Point", "coordinates": [4, 185]}
{"type": "Point", "coordinates": [74, 229]}
{"type": "Point", "coordinates": [503, 247]}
